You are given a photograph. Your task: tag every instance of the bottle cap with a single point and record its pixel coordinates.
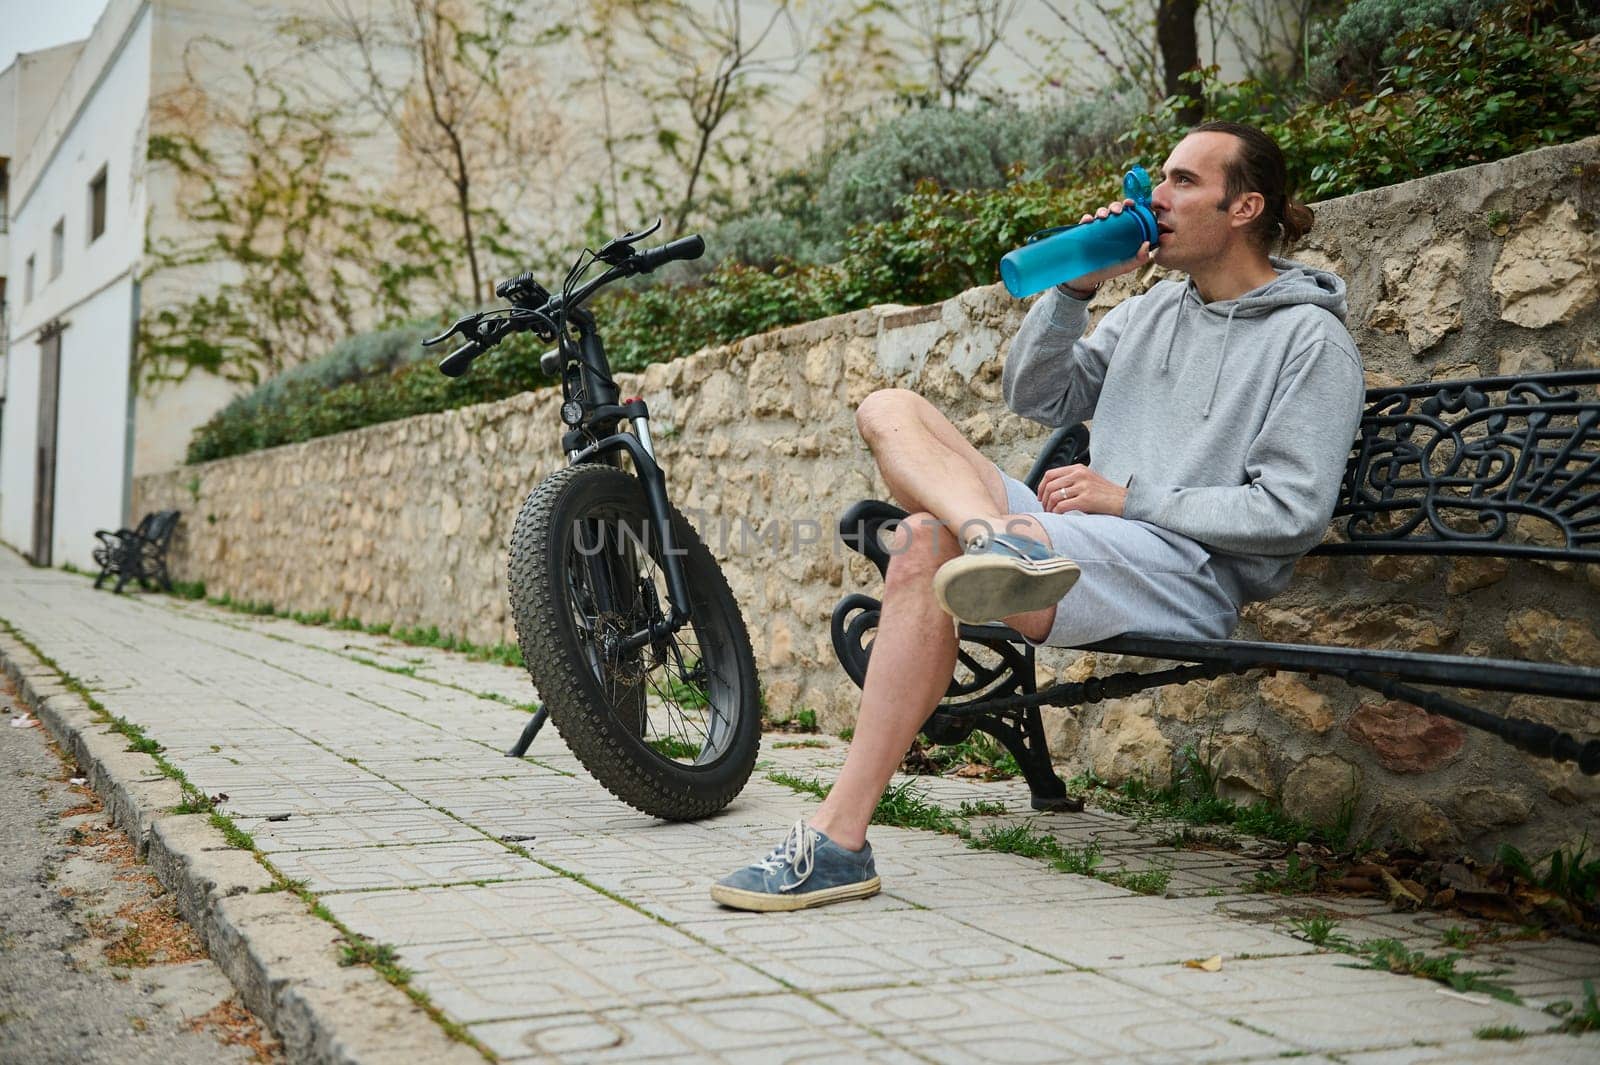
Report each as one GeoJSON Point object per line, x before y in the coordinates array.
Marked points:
{"type": "Point", "coordinates": [1136, 186]}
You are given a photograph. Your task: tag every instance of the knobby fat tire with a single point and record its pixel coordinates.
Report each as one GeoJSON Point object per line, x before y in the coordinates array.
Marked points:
{"type": "Point", "coordinates": [541, 611]}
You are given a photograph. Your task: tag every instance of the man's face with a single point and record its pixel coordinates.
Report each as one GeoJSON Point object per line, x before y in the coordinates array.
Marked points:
{"type": "Point", "coordinates": [1190, 204]}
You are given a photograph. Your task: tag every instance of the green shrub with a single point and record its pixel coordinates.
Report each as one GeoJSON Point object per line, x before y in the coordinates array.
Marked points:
{"type": "Point", "coordinates": [953, 149]}
{"type": "Point", "coordinates": [763, 239]}
{"type": "Point", "coordinates": [1363, 43]}
{"type": "Point", "coordinates": [1508, 84]}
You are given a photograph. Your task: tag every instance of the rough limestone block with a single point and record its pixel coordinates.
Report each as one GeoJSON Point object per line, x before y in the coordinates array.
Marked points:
{"type": "Point", "coordinates": [1547, 271]}
{"type": "Point", "coordinates": [1421, 295]}
{"type": "Point", "coordinates": [1127, 743]}
{"type": "Point", "coordinates": [1317, 788]}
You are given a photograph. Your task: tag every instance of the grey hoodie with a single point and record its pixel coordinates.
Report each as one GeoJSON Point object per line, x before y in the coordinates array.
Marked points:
{"type": "Point", "coordinates": [1229, 422]}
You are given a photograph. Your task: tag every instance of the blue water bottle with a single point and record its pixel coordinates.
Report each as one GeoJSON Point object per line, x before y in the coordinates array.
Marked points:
{"type": "Point", "coordinates": [1066, 253]}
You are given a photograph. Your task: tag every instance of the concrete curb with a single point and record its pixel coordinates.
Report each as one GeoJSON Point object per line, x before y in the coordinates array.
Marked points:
{"type": "Point", "coordinates": [283, 961]}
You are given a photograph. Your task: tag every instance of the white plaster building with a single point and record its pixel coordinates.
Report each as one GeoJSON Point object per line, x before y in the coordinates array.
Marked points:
{"type": "Point", "coordinates": [81, 201]}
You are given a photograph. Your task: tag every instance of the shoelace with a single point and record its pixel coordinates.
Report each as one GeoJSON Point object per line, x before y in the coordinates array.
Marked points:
{"type": "Point", "coordinates": [797, 851]}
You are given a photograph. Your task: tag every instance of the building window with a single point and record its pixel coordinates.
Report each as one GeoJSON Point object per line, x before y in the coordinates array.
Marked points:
{"type": "Point", "coordinates": [58, 247]}
{"type": "Point", "coordinates": [97, 206]}
{"type": "Point", "coordinates": [5, 193]}
{"type": "Point", "coordinates": [27, 281]}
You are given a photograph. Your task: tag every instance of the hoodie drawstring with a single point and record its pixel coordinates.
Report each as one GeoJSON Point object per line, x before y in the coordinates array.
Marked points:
{"type": "Point", "coordinates": [1177, 323]}
{"type": "Point", "coordinates": [1221, 357]}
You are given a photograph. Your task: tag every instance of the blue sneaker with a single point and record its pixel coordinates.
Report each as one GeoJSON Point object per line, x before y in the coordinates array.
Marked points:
{"type": "Point", "coordinates": [807, 869]}
{"type": "Point", "coordinates": [1001, 575]}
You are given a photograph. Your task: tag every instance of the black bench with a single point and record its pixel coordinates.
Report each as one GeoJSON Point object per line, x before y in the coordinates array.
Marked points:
{"type": "Point", "coordinates": [138, 554]}
{"type": "Point", "coordinates": [1444, 468]}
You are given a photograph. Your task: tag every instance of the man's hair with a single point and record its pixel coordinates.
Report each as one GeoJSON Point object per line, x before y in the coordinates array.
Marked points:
{"type": "Point", "coordinates": [1257, 165]}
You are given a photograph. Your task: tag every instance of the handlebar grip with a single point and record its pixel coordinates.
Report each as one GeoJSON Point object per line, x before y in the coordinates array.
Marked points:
{"type": "Point", "coordinates": [455, 364]}
{"type": "Point", "coordinates": [681, 249]}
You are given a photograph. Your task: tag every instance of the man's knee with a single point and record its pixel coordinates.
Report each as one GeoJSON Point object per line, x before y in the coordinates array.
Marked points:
{"type": "Point", "coordinates": [885, 410]}
{"type": "Point", "coordinates": [919, 546]}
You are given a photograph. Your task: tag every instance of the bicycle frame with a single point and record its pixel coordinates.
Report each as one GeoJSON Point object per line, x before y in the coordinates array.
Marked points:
{"type": "Point", "coordinates": [592, 407]}
{"type": "Point", "coordinates": [595, 437]}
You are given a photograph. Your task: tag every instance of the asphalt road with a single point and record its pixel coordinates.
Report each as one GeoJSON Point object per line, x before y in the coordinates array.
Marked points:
{"type": "Point", "coordinates": [95, 966]}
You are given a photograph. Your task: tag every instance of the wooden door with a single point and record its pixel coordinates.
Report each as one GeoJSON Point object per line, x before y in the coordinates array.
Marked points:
{"type": "Point", "coordinates": [44, 479]}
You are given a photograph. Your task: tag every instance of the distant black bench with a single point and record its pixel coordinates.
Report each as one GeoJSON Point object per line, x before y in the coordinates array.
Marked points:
{"type": "Point", "coordinates": [1443, 468]}
{"type": "Point", "coordinates": [138, 554]}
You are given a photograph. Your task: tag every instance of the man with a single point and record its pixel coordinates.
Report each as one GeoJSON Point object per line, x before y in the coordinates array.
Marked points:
{"type": "Point", "coordinates": [1224, 407]}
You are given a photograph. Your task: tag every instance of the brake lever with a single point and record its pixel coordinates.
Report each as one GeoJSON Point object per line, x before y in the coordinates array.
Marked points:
{"type": "Point", "coordinates": [466, 325]}
{"type": "Point", "coordinates": [617, 250]}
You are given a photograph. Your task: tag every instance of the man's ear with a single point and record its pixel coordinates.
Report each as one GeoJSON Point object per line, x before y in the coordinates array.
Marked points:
{"type": "Point", "coordinates": [1247, 208]}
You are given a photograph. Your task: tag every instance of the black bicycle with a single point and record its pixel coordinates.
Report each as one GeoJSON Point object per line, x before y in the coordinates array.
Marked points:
{"type": "Point", "coordinates": [626, 622]}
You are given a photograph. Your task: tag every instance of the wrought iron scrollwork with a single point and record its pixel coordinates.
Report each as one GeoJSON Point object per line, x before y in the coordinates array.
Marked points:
{"type": "Point", "coordinates": [1503, 466]}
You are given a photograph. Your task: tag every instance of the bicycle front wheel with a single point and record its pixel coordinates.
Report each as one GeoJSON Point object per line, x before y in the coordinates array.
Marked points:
{"type": "Point", "coordinates": [671, 728]}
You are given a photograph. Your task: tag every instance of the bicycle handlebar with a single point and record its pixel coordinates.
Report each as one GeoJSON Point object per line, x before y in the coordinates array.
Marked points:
{"type": "Point", "coordinates": [456, 363]}
{"type": "Point", "coordinates": [682, 249]}
{"type": "Point", "coordinates": [556, 307]}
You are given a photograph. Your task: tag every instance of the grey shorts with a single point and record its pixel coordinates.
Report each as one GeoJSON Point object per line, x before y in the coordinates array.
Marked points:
{"type": "Point", "coordinates": [1136, 578]}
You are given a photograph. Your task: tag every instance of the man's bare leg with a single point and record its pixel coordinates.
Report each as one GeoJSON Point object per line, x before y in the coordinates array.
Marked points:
{"type": "Point", "coordinates": [927, 463]}
{"type": "Point", "coordinates": [913, 657]}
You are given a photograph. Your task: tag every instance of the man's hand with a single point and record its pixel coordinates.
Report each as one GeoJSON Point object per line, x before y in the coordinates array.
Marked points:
{"type": "Point", "coordinates": [1144, 255]}
{"type": "Point", "coordinates": [1080, 488]}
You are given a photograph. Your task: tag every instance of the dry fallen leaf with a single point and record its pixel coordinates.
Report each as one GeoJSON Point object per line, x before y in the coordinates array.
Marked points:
{"type": "Point", "coordinates": [1400, 897]}
{"type": "Point", "coordinates": [1211, 965]}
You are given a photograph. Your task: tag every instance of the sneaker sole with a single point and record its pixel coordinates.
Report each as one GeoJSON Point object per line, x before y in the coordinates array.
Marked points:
{"type": "Point", "coordinates": [762, 902]}
{"type": "Point", "coordinates": [981, 588]}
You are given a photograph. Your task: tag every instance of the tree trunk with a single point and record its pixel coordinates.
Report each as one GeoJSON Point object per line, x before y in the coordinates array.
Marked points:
{"type": "Point", "coordinates": [1180, 53]}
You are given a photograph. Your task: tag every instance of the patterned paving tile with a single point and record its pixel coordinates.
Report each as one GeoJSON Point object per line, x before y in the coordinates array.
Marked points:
{"type": "Point", "coordinates": [1539, 1050]}
{"type": "Point", "coordinates": [962, 881]}
{"type": "Point", "coordinates": [379, 828]}
{"type": "Point", "coordinates": [351, 797]}
{"type": "Point", "coordinates": [353, 869]}
{"type": "Point", "coordinates": [821, 951]}
{"type": "Point", "coordinates": [1115, 934]}
{"type": "Point", "coordinates": [771, 1028]}
{"type": "Point", "coordinates": [553, 906]}
{"type": "Point", "coordinates": [532, 977]}
{"type": "Point", "coordinates": [1424, 1011]}
{"type": "Point", "coordinates": [1066, 1017]}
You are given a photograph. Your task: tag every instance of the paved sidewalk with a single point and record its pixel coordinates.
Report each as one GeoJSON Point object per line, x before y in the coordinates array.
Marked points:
{"type": "Point", "coordinates": [554, 923]}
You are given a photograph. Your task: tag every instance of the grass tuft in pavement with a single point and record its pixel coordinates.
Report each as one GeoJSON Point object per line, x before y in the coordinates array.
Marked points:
{"type": "Point", "coordinates": [1393, 956]}
{"type": "Point", "coordinates": [1320, 930]}
{"type": "Point", "coordinates": [1586, 1018]}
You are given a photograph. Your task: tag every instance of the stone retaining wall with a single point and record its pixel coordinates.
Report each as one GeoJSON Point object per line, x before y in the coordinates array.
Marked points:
{"type": "Point", "coordinates": [1487, 270]}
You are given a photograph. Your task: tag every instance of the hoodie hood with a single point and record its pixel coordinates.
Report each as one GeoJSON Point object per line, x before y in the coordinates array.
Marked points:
{"type": "Point", "coordinates": [1296, 285]}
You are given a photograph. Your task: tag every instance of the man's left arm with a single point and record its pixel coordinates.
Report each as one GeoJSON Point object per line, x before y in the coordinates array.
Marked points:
{"type": "Point", "coordinates": [1294, 465]}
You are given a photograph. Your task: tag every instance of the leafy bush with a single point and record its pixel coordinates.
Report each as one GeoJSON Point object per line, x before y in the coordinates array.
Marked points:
{"type": "Point", "coordinates": [1456, 97]}
{"type": "Point", "coordinates": [1073, 134]}
{"type": "Point", "coordinates": [955, 149]}
{"type": "Point", "coordinates": [1363, 43]}
{"type": "Point", "coordinates": [765, 238]}
{"type": "Point", "coordinates": [806, 214]}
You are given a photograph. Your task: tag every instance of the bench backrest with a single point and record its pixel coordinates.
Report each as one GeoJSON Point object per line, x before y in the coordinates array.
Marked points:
{"type": "Point", "coordinates": [1503, 466]}
{"type": "Point", "coordinates": [162, 523]}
